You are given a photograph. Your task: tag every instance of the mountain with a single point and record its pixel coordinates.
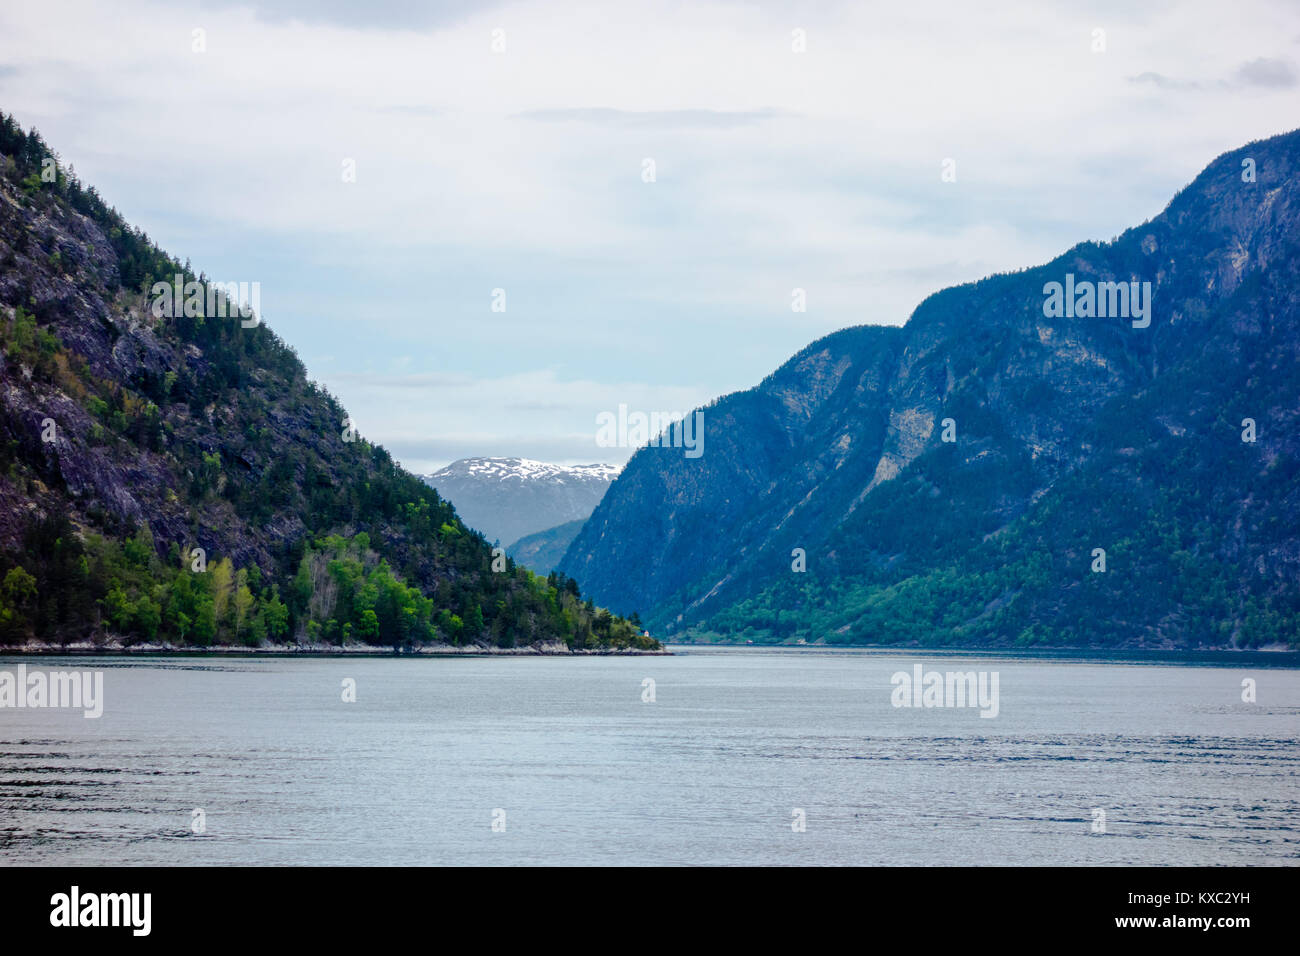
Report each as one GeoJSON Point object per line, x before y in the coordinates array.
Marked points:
{"type": "Point", "coordinates": [169, 473]}
{"type": "Point", "coordinates": [508, 498]}
{"type": "Point", "coordinates": [542, 551]}
{"type": "Point", "coordinates": [1112, 478]}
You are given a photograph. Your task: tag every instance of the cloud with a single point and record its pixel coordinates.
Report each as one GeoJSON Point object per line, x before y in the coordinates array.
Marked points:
{"type": "Point", "coordinates": [427, 455]}
{"type": "Point", "coordinates": [421, 382]}
{"type": "Point", "coordinates": [1272, 73]}
{"type": "Point", "coordinates": [655, 119]}
{"type": "Point", "coordinates": [371, 15]}
{"type": "Point", "coordinates": [413, 110]}
{"type": "Point", "coordinates": [1265, 72]}
{"type": "Point", "coordinates": [429, 419]}
{"type": "Point", "coordinates": [478, 170]}
{"type": "Point", "coordinates": [1164, 82]}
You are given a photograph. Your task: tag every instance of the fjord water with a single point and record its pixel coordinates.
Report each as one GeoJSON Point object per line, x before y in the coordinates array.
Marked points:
{"type": "Point", "coordinates": [711, 772]}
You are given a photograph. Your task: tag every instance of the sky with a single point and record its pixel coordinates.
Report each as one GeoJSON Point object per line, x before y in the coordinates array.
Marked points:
{"type": "Point", "coordinates": [509, 146]}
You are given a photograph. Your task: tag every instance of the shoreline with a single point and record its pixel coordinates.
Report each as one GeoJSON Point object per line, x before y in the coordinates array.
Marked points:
{"type": "Point", "coordinates": [117, 649]}
{"type": "Point", "coordinates": [1270, 656]}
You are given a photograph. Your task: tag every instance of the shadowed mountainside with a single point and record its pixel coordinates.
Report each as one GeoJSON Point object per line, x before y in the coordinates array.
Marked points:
{"type": "Point", "coordinates": [1071, 434]}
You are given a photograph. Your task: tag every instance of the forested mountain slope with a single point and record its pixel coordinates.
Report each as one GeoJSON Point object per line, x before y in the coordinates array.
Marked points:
{"type": "Point", "coordinates": [1074, 431]}
{"type": "Point", "coordinates": [178, 477]}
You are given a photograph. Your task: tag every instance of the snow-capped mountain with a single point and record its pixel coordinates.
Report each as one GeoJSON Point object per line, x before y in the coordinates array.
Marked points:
{"type": "Point", "coordinates": [507, 498]}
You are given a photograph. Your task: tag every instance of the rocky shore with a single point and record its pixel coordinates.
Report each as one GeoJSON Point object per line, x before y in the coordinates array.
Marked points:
{"type": "Point", "coordinates": [114, 646]}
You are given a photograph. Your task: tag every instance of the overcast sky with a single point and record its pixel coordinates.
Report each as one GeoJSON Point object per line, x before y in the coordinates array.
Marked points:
{"type": "Point", "coordinates": [522, 169]}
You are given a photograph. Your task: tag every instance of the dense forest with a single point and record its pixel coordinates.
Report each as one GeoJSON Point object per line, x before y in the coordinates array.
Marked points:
{"type": "Point", "coordinates": [178, 478]}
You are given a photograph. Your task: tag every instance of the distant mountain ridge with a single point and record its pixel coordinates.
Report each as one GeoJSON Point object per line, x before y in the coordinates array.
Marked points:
{"type": "Point", "coordinates": [1108, 482]}
{"type": "Point", "coordinates": [508, 498]}
{"type": "Point", "coordinates": [542, 552]}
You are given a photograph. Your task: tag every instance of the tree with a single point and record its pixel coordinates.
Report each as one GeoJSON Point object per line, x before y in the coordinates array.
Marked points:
{"type": "Point", "coordinates": [257, 628]}
{"type": "Point", "coordinates": [474, 621]}
{"type": "Point", "coordinates": [118, 608]}
{"type": "Point", "coordinates": [146, 617]}
{"type": "Point", "coordinates": [368, 627]}
{"type": "Point", "coordinates": [276, 614]}
{"type": "Point", "coordinates": [449, 626]}
{"type": "Point", "coordinates": [19, 588]}
{"type": "Point", "coordinates": [222, 586]}
{"type": "Point", "coordinates": [243, 603]}
{"type": "Point", "coordinates": [205, 622]}
{"type": "Point", "coordinates": [17, 595]}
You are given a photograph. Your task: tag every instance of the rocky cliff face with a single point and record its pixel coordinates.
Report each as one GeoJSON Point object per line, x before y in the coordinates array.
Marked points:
{"type": "Point", "coordinates": [1070, 433]}
{"type": "Point", "coordinates": [177, 392]}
